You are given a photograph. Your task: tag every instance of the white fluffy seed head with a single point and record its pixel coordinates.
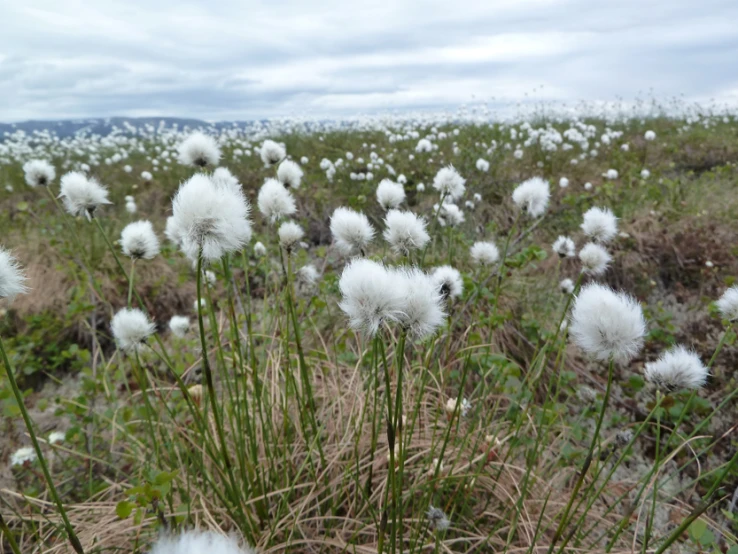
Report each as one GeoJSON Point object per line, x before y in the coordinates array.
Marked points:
{"type": "Point", "coordinates": [485, 253]}
{"type": "Point", "coordinates": [198, 150]}
{"type": "Point", "coordinates": [421, 308]}
{"type": "Point", "coordinates": [370, 296]}
{"type": "Point", "coordinates": [222, 177]}
{"type": "Point", "coordinates": [351, 231]}
{"type": "Point", "coordinates": [23, 455]}
{"type": "Point", "coordinates": [82, 196]}
{"type": "Point", "coordinates": [259, 250]}
{"type": "Point", "coordinates": [649, 135]}
{"type": "Point", "coordinates": [179, 325]}
{"type": "Point", "coordinates": [595, 259]}
{"type": "Point", "coordinates": [139, 241]}
{"type": "Point", "coordinates": [449, 183]}
{"type": "Point", "coordinates": [289, 174]}
{"type": "Point", "coordinates": [209, 217]}
{"type": "Point", "coordinates": [482, 165]}
{"type": "Point", "coordinates": [450, 214]}
{"type": "Point", "coordinates": [390, 194]}
{"type": "Point", "coordinates": [199, 542]}
{"type": "Point", "coordinates": [564, 247]}
{"type": "Point", "coordinates": [676, 369]}
{"type": "Point", "coordinates": [728, 304]}
{"type": "Point", "coordinates": [448, 281]}
{"type": "Point", "coordinates": [532, 196]}
{"type": "Point", "coordinates": [38, 173]}
{"type": "Point", "coordinates": [607, 324]}
{"type": "Point", "coordinates": [600, 225]}
{"type": "Point", "coordinates": [566, 286]}
{"type": "Point", "coordinates": [275, 201]}
{"type": "Point", "coordinates": [405, 232]}
{"type": "Point", "coordinates": [437, 519]}
{"type": "Point", "coordinates": [12, 279]}
{"type": "Point", "coordinates": [308, 275]}
{"type": "Point", "coordinates": [131, 327]}
{"type": "Point", "coordinates": [271, 152]}
{"type": "Point", "coordinates": [290, 234]}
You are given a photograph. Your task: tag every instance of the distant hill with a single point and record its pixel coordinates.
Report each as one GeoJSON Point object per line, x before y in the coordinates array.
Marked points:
{"type": "Point", "coordinates": [102, 126]}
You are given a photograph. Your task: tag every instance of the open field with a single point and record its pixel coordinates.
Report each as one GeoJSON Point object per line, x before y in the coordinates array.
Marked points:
{"type": "Point", "coordinates": [319, 401]}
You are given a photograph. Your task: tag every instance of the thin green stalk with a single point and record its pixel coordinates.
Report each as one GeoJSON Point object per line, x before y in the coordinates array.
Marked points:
{"type": "Point", "coordinates": [130, 281]}
{"type": "Point", "coordinates": [9, 535]}
{"type": "Point", "coordinates": [71, 535]}
{"type": "Point", "coordinates": [656, 460]}
{"type": "Point", "coordinates": [587, 461]}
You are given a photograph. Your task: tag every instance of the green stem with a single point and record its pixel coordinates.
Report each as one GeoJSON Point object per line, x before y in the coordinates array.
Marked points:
{"type": "Point", "coordinates": [587, 461]}
{"type": "Point", "coordinates": [73, 540]}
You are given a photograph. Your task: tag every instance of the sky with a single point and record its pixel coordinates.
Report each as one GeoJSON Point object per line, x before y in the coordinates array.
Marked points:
{"type": "Point", "coordinates": [240, 60]}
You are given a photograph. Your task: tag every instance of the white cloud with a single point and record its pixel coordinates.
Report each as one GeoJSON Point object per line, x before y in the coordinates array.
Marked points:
{"type": "Point", "coordinates": [235, 59]}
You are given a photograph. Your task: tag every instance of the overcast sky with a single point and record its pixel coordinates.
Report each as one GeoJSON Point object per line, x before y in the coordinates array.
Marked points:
{"type": "Point", "coordinates": [236, 59]}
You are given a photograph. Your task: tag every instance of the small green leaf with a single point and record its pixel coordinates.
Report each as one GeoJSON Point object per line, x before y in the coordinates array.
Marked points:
{"type": "Point", "coordinates": [124, 509]}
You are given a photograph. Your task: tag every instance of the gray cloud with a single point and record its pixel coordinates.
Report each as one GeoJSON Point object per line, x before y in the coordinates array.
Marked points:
{"type": "Point", "coordinates": [240, 60]}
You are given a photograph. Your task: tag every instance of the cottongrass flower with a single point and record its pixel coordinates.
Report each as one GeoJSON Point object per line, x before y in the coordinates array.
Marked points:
{"type": "Point", "coordinates": [259, 250]}
{"type": "Point", "coordinates": [390, 194]}
{"type": "Point", "coordinates": [611, 174]}
{"type": "Point", "coordinates": [420, 187]}
{"type": "Point", "coordinates": [351, 231]}
{"type": "Point", "coordinates": [290, 234]}
{"type": "Point", "coordinates": [482, 165]}
{"type": "Point", "coordinates": [676, 369]}
{"type": "Point", "coordinates": [198, 542]}
{"type": "Point", "coordinates": [485, 253]}
{"type": "Point", "coordinates": [131, 327]}
{"type": "Point", "coordinates": [600, 225]}
{"type": "Point", "coordinates": [649, 135]}
{"type": "Point", "coordinates": [82, 196]}
{"type": "Point", "coordinates": [199, 150]}
{"type": "Point", "coordinates": [563, 182]}
{"type": "Point", "coordinates": [290, 174]}
{"type": "Point", "coordinates": [370, 295]}
{"type": "Point", "coordinates": [275, 201]}
{"type": "Point", "coordinates": [564, 247]}
{"type": "Point", "coordinates": [532, 196]}
{"type": "Point", "coordinates": [607, 324]}
{"type": "Point", "coordinates": [308, 275]}
{"type": "Point", "coordinates": [450, 214]}
{"type": "Point", "coordinates": [271, 153]}
{"type": "Point", "coordinates": [57, 437]}
{"type": "Point", "coordinates": [595, 259]}
{"type": "Point", "coordinates": [463, 408]}
{"type": "Point", "coordinates": [645, 173]}
{"type": "Point", "coordinates": [22, 456]}
{"type": "Point", "coordinates": [39, 173]}
{"type": "Point", "coordinates": [421, 309]}
{"type": "Point", "coordinates": [566, 286]}
{"type": "Point", "coordinates": [448, 281]}
{"type": "Point", "coordinates": [179, 325]}
{"type": "Point", "coordinates": [12, 279]}
{"type": "Point", "coordinates": [210, 220]}
{"type": "Point", "coordinates": [222, 177]}
{"type": "Point", "coordinates": [131, 207]}
{"type": "Point", "coordinates": [405, 232]}
{"type": "Point", "coordinates": [146, 176]}
{"type": "Point", "coordinates": [437, 519]}
{"type": "Point", "coordinates": [173, 232]}
{"type": "Point", "coordinates": [449, 183]}
{"type": "Point", "coordinates": [139, 241]}
{"type": "Point", "coordinates": [728, 304]}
